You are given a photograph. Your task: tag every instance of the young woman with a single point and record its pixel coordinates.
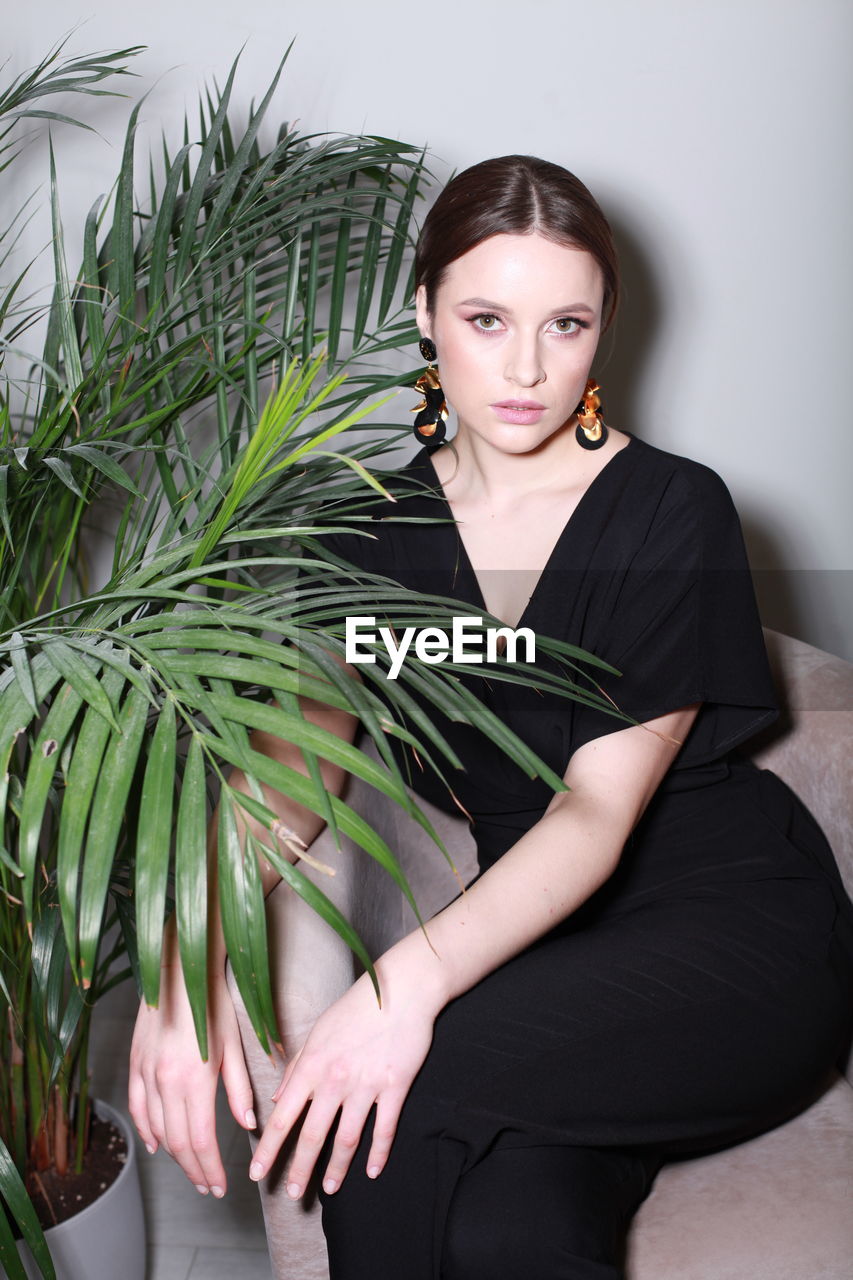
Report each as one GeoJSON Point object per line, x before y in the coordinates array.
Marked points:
{"type": "Point", "coordinates": [655, 963]}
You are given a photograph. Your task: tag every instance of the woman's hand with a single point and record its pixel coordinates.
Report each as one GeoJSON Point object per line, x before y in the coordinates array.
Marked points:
{"type": "Point", "coordinates": [172, 1091]}
{"type": "Point", "coordinates": [357, 1054]}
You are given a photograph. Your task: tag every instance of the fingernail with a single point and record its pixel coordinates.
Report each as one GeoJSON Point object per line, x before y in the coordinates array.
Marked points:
{"type": "Point", "coordinates": [256, 1170]}
{"type": "Point", "coordinates": [294, 1190]}
{"type": "Point", "coordinates": [330, 1186]}
{"type": "Point", "coordinates": [150, 1149]}
{"type": "Point", "coordinates": [250, 1119]}
{"type": "Point", "coordinates": [374, 1171]}
{"type": "Point", "coordinates": [218, 1192]}
{"type": "Point", "coordinates": [202, 1190]}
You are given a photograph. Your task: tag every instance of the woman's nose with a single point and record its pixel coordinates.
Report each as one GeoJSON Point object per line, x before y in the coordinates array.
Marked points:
{"type": "Point", "coordinates": [524, 362]}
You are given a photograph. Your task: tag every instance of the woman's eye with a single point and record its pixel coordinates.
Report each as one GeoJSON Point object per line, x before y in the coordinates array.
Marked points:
{"type": "Point", "coordinates": [565, 324]}
{"type": "Point", "coordinates": [485, 322]}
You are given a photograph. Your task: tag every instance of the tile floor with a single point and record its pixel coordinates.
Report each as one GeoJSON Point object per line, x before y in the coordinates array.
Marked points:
{"type": "Point", "coordinates": [190, 1237]}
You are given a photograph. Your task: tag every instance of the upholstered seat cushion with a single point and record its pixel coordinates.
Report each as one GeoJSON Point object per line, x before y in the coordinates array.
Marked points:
{"type": "Point", "coordinates": [779, 1207]}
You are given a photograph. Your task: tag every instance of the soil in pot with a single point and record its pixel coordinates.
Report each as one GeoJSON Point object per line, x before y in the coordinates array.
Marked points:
{"type": "Point", "coordinates": [57, 1198]}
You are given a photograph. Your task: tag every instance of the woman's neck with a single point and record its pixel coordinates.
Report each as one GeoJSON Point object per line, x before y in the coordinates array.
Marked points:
{"type": "Point", "coordinates": [496, 478]}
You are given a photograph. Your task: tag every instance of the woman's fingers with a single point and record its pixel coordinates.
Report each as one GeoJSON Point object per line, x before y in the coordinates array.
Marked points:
{"type": "Point", "coordinates": [347, 1138]}
{"type": "Point", "coordinates": [137, 1105]}
{"type": "Point", "coordinates": [388, 1110]}
{"type": "Point", "coordinates": [312, 1136]}
{"type": "Point", "coordinates": [354, 1111]}
{"type": "Point", "coordinates": [190, 1139]}
{"type": "Point", "coordinates": [174, 1137]}
{"type": "Point", "coordinates": [154, 1103]}
{"type": "Point", "coordinates": [316, 1125]}
{"type": "Point", "coordinates": [203, 1144]}
{"type": "Point", "coordinates": [238, 1086]}
{"type": "Point", "coordinates": [286, 1112]}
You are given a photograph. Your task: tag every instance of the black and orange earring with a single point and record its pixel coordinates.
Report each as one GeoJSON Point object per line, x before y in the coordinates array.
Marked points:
{"type": "Point", "coordinates": [429, 425]}
{"type": "Point", "coordinates": [590, 432]}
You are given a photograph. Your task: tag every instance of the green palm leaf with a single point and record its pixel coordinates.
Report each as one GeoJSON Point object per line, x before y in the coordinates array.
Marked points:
{"type": "Point", "coordinates": [153, 843]}
{"type": "Point", "coordinates": [244, 921]}
{"type": "Point", "coordinates": [15, 1195]}
{"type": "Point", "coordinates": [191, 889]}
{"type": "Point", "coordinates": [80, 785]}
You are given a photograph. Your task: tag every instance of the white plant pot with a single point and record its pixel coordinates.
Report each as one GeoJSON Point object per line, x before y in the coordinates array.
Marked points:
{"type": "Point", "coordinates": [105, 1241]}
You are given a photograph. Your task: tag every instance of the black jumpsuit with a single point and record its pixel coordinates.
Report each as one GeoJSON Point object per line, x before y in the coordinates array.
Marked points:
{"type": "Point", "coordinates": [699, 997]}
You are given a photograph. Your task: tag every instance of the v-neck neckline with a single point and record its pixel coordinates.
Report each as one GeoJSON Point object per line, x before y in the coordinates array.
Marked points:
{"type": "Point", "coordinates": [465, 559]}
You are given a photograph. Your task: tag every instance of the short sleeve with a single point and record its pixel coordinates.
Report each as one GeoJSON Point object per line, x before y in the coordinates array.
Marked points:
{"type": "Point", "coordinates": [679, 620]}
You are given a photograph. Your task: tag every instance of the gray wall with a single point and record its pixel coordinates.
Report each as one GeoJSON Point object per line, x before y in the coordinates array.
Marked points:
{"type": "Point", "coordinates": [716, 135]}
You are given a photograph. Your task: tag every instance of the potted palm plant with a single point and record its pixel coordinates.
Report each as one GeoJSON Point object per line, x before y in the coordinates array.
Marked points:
{"type": "Point", "coordinates": [195, 369]}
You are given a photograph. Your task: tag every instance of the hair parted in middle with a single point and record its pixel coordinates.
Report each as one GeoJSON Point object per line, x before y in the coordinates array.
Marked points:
{"type": "Point", "coordinates": [515, 195]}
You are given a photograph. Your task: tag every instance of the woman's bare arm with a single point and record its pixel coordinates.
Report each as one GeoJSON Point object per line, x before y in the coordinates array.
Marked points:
{"type": "Point", "coordinates": [359, 1054]}
{"type": "Point", "coordinates": [552, 869]}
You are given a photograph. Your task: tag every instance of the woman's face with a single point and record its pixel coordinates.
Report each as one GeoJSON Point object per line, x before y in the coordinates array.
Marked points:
{"type": "Point", "coordinates": [516, 322]}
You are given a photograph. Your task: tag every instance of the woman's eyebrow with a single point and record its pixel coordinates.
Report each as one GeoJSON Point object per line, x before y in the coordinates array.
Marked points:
{"type": "Point", "coordinates": [498, 306]}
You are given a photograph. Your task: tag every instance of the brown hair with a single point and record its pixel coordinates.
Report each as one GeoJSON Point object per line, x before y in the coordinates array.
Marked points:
{"type": "Point", "coordinates": [515, 195]}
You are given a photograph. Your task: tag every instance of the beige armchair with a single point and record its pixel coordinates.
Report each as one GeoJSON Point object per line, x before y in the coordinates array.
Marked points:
{"type": "Point", "coordinates": [778, 1206]}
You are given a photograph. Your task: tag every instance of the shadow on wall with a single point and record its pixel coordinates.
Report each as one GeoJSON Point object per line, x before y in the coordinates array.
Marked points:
{"type": "Point", "coordinates": [815, 605]}
{"type": "Point", "coordinates": [627, 349]}
{"type": "Point", "coordinates": [798, 601]}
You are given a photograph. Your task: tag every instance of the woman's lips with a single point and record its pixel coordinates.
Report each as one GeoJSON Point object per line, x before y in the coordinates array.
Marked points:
{"type": "Point", "coordinates": [521, 412]}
